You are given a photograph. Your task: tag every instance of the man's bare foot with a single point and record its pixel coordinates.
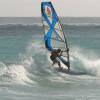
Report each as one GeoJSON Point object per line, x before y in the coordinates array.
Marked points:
{"type": "Point", "coordinates": [68, 69]}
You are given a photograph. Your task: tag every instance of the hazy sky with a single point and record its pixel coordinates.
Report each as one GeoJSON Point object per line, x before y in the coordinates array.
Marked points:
{"type": "Point", "coordinates": [72, 8]}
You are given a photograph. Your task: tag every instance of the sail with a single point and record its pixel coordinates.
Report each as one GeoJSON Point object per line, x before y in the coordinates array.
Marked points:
{"type": "Point", "coordinates": [54, 36]}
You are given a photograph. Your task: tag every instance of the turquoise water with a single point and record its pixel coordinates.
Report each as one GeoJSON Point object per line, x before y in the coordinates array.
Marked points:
{"type": "Point", "coordinates": [26, 73]}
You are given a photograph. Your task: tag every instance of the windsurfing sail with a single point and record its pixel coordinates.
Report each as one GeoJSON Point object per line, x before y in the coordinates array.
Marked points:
{"type": "Point", "coordinates": [54, 36]}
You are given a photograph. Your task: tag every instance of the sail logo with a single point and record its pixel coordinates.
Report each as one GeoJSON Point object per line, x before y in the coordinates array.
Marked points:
{"type": "Point", "coordinates": [48, 11]}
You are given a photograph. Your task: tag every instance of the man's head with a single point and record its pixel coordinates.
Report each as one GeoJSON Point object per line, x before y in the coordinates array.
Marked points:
{"type": "Point", "coordinates": [59, 50]}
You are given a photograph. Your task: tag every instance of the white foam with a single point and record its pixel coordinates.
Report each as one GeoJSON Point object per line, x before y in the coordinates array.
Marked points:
{"type": "Point", "coordinates": [35, 47]}
{"type": "Point", "coordinates": [82, 24]}
{"type": "Point", "coordinates": [26, 60]}
{"type": "Point", "coordinates": [19, 73]}
{"type": "Point", "coordinates": [2, 68]}
{"type": "Point", "coordinates": [90, 64]}
{"type": "Point", "coordinates": [15, 73]}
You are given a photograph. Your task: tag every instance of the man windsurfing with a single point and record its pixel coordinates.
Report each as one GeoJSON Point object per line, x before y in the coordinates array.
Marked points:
{"type": "Point", "coordinates": [54, 55]}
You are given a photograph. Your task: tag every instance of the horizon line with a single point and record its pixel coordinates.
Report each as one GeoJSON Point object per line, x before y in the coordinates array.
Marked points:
{"type": "Point", "coordinates": [59, 16]}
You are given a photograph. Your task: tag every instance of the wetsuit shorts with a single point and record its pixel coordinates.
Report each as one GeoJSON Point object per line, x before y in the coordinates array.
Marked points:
{"type": "Point", "coordinates": [53, 58]}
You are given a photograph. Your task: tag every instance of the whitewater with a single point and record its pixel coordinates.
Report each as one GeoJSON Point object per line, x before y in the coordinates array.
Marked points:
{"type": "Point", "coordinates": [25, 68]}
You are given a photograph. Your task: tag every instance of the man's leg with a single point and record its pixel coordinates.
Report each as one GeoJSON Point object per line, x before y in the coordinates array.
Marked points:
{"type": "Point", "coordinates": [68, 65]}
{"type": "Point", "coordinates": [59, 65]}
{"type": "Point", "coordinates": [53, 63]}
{"type": "Point", "coordinates": [68, 68]}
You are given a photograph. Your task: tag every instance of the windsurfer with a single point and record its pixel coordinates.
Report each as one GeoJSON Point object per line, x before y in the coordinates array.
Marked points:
{"type": "Point", "coordinates": [54, 55]}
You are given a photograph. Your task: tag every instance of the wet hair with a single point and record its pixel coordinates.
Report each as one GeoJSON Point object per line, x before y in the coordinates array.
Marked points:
{"type": "Point", "coordinates": [59, 50]}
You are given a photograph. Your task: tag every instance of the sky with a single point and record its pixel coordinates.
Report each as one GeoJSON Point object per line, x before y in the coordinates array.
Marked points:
{"type": "Point", "coordinates": [65, 8]}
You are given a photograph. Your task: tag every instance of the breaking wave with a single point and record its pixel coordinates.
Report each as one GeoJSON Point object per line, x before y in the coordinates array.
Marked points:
{"type": "Point", "coordinates": [34, 66]}
{"type": "Point", "coordinates": [85, 62]}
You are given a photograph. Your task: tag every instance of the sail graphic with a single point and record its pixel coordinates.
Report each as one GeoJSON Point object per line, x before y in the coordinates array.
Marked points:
{"type": "Point", "coordinates": [48, 11]}
{"type": "Point", "coordinates": [54, 36]}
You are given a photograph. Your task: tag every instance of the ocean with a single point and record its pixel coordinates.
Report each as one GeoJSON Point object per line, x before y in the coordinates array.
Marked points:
{"type": "Point", "coordinates": [25, 71]}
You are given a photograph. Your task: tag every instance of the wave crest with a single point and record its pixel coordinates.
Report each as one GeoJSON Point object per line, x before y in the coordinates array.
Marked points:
{"type": "Point", "coordinates": [82, 62]}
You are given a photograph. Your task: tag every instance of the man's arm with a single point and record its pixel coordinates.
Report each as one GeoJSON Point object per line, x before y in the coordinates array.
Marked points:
{"type": "Point", "coordinates": [61, 53]}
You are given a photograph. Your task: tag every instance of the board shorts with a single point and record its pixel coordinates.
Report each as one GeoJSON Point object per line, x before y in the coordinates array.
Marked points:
{"type": "Point", "coordinates": [54, 59]}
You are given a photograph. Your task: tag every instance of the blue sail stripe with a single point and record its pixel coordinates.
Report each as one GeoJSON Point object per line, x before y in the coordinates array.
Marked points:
{"type": "Point", "coordinates": [51, 25]}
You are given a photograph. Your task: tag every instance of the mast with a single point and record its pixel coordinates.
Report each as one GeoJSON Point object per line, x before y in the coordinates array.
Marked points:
{"type": "Point", "coordinates": [67, 49]}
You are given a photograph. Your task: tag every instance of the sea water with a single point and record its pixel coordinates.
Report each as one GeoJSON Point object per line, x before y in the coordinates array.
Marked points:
{"type": "Point", "coordinates": [26, 73]}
